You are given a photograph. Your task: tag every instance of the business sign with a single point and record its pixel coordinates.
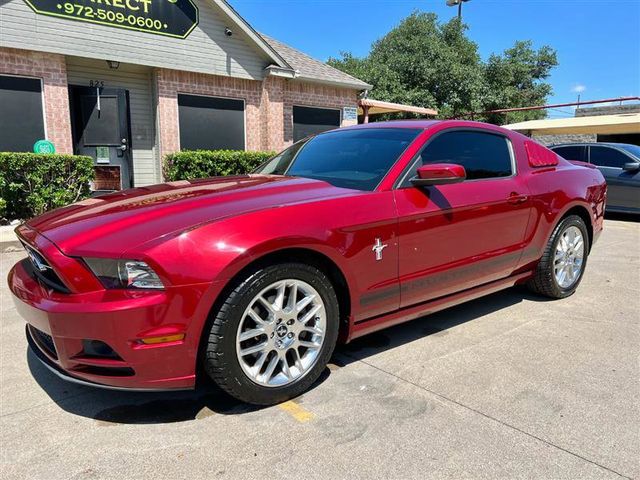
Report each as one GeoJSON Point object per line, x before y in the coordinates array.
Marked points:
{"type": "Point", "coordinates": [44, 146]}
{"type": "Point", "coordinates": [172, 18]}
{"type": "Point", "coordinates": [350, 113]}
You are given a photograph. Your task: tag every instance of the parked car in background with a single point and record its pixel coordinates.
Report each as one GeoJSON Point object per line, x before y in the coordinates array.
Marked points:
{"type": "Point", "coordinates": [253, 279]}
{"type": "Point", "coordinates": [620, 166]}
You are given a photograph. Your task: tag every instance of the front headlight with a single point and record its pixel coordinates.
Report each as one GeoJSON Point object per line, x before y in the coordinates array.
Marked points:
{"type": "Point", "coordinates": [124, 273]}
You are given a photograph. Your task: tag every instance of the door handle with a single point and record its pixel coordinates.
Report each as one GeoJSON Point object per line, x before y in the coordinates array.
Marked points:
{"type": "Point", "coordinates": [516, 198]}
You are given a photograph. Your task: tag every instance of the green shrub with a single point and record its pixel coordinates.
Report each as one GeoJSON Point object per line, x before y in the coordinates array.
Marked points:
{"type": "Point", "coordinates": [211, 163]}
{"type": "Point", "coordinates": [32, 183]}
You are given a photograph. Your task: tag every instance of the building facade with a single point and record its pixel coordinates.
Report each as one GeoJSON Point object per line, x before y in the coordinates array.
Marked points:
{"type": "Point", "coordinates": [128, 81]}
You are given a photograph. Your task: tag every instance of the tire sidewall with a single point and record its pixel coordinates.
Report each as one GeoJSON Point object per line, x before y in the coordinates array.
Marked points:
{"type": "Point", "coordinates": [570, 221]}
{"type": "Point", "coordinates": [226, 356]}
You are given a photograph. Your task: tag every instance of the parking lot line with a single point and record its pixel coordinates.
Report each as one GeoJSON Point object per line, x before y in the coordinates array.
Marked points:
{"type": "Point", "coordinates": [301, 414]}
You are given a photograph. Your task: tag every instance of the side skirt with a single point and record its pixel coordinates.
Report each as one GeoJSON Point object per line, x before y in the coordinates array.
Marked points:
{"type": "Point", "coordinates": [363, 327]}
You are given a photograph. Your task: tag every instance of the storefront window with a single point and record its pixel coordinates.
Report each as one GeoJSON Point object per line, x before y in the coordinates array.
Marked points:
{"type": "Point", "coordinates": [211, 123]}
{"type": "Point", "coordinates": [21, 119]}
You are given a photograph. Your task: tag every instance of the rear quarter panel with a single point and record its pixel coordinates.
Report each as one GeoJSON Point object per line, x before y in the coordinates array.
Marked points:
{"type": "Point", "coordinates": [555, 191]}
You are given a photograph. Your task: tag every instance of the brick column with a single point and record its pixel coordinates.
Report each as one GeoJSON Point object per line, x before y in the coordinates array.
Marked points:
{"type": "Point", "coordinates": [272, 113]}
{"type": "Point", "coordinates": [52, 69]}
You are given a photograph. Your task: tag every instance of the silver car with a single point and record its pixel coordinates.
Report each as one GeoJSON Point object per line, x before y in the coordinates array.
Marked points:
{"type": "Point", "coordinates": [620, 166]}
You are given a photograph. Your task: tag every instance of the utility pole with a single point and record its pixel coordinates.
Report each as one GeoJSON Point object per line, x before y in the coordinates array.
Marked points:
{"type": "Point", "coordinates": [453, 3]}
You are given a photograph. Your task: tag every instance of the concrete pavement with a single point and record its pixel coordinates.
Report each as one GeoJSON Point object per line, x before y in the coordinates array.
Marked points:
{"type": "Point", "coordinates": [509, 386]}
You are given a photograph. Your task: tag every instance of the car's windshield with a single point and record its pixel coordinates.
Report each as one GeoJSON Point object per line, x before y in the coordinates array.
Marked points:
{"type": "Point", "coordinates": [357, 158]}
{"type": "Point", "coordinates": [632, 149]}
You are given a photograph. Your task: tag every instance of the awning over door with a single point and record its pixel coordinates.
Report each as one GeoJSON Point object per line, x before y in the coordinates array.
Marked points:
{"type": "Point", "coordinates": [368, 106]}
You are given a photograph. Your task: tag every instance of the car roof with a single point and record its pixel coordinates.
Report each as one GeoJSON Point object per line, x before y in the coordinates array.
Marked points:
{"type": "Point", "coordinates": [419, 123]}
{"type": "Point", "coordinates": [599, 144]}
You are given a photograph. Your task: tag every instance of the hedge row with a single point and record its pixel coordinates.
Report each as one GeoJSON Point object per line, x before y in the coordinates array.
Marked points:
{"type": "Point", "coordinates": [211, 163]}
{"type": "Point", "coordinates": [31, 184]}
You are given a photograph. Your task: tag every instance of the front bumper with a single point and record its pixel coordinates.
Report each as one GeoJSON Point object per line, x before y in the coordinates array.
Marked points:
{"type": "Point", "coordinates": [60, 324]}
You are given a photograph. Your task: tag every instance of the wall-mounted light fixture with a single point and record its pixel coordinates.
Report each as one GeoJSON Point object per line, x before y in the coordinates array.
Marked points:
{"type": "Point", "coordinates": [227, 31]}
{"type": "Point", "coordinates": [113, 64]}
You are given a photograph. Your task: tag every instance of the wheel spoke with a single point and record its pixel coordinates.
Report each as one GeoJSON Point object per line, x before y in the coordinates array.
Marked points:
{"type": "Point", "coordinates": [296, 360]}
{"type": "Point", "coordinates": [279, 301]}
{"type": "Point", "coordinates": [293, 295]}
{"type": "Point", "coordinates": [260, 362]}
{"type": "Point", "coordinates": [314, 330]}
{"type": "Point", "coordinates": [268, 373]}
{"type": "Point", "coordinates": [285, 368]}
{"type": "Point", "coordinates": [305, 343]}
{"type": "Point", "coordinates": [302, 304]}
{"type": "Point", "coordinates": [310, 314]}
{"type": "Point", "coordinates": [249, 334]}
{"type": "Point", "coordinates": [266, 304]}
{"type": "Point", "coordinates": [253, 349]}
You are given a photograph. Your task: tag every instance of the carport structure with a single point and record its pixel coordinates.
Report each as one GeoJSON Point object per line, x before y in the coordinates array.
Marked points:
{"type": "Point", "coordinates": [368, 106]}
{"type": "Point", "coordinates": [628, 123]}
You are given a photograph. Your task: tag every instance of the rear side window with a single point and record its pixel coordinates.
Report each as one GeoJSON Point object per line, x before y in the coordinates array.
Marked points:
{"type": "Point", "coordinates": [608, 157]}
{"type": "Point", "coordinates": [573, 152]}
{"type": "Point", "coordinates": [483, 155]}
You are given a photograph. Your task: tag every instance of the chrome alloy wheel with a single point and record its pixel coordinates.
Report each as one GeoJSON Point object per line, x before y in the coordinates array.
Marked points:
{"type": "Point", "coordinates": [281, 333]}
{"type": "Point", "coordinates": [569, 255]}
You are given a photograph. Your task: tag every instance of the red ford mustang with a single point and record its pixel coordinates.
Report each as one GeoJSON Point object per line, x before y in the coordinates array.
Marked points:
{"type": "Point", "coordinates": [256, 277]}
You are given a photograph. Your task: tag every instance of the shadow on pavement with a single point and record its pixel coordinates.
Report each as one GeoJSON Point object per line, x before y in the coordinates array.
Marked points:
{"type": "Point", "coordinates": [120, 407]}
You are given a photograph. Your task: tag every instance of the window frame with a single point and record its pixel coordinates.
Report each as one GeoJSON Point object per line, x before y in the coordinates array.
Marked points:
{"type": "Point", "coordinates": [293, 122]}
{"type": "Point", "coordinates": [42, 98]}
{"type": "Point", "coordinates": [403, 180]}
{"type": "Point", "coordinates": [619, 150]}
{"type": "Point", "coordinates": [244, 112]}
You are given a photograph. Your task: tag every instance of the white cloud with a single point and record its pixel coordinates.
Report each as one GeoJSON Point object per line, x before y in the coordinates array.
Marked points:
{"type": "Point", "coordinates": [578, 88]}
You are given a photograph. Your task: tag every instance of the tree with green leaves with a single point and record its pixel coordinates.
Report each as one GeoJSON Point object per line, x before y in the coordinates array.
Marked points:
{"type": "Point", "coordinates": [426, 63]}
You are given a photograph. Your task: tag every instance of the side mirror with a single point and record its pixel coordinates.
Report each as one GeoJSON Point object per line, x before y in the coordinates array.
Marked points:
{"type": "Point", "coordinates": [631, 166]}
{"type": "Point", "coordinates": [439, 174]}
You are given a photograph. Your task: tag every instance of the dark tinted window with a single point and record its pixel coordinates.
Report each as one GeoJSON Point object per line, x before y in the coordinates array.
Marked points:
{"type": "Point", "coordinates": [356, 159]}
{"type": "Point", "coordinates": [21, 118]}
{"type": "Point", "coordinates": [311, 121]}
{"type": "Point", "coordinates": [483, 155]}
{"type": "Point", "coordinates": [210, 123]}
{"type": "Point", "coordinates": [100, 126]}
{"type": "Point", "coordinates": [573, 152]}
{"type": "Point", "coordinates": [608, 157]}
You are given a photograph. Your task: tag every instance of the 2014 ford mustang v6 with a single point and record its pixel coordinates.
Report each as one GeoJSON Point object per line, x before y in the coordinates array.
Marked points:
{"type": "Point", "coordinates": [253, 279]}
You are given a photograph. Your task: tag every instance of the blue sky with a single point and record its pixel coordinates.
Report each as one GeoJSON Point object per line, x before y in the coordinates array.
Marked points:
{"type": "Point", "coordinates": [598, 41]}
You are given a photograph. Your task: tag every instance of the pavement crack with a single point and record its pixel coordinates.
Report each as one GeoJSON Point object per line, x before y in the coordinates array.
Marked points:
{"type": "Point", "coordinates": [489, 417]}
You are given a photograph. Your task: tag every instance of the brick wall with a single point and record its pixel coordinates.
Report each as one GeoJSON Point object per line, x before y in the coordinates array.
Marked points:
{"type": "Point", "coordinates": [569, 138]}
{"type": "Point", "coordinates": [52, 69]}
{"type": "Point", "coordinates": [269, 105]}
{"type": "Point", "coordinates": [171, 82]}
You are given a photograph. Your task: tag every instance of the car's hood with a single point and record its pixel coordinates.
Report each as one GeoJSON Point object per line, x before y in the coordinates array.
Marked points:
{"type": "Point", "coordinates": [112, 224]}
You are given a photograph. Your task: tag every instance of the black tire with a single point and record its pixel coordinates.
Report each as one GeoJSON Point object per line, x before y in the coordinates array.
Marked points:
{"type": "Point", "coordinates": [544, 282]}
{"type": "Point", "coordinates": [220, 358]}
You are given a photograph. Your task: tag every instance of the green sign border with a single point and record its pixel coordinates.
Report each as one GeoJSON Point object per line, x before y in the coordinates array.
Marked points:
{"type": "Point", "coordinates": [127, 27]}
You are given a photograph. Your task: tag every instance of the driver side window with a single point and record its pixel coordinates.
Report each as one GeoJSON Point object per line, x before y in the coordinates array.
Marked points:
{"type": "Point", "coordinates": [483, 155]}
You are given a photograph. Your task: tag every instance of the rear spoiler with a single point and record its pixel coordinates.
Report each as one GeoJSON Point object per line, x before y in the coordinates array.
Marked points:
{"type": "Point", "coordinates": [582, 164]}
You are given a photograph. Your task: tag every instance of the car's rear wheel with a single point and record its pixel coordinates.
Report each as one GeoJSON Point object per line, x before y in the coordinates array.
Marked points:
{"type": "Point", "coordinates": [274, 333]}
{"type": "Point", "coordinates": [562, 265]}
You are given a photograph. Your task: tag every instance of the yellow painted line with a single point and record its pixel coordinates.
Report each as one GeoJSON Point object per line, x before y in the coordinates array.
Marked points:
{"type": "Point", "coordinates": [296, 411]}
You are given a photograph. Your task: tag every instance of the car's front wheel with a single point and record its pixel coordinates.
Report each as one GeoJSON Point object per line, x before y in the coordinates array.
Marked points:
{"type": "Point", "coordinates": [274, 333]}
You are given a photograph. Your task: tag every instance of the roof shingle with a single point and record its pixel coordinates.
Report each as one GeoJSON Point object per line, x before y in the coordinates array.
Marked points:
{"type": "Point", "coordinates": [309, 68]}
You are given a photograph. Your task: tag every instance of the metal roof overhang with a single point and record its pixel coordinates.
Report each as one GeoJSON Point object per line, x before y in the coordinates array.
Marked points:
{"type": "Point", "coordinates": [602, 124]}
{"type": "Point", "coordinates": [378, 106]}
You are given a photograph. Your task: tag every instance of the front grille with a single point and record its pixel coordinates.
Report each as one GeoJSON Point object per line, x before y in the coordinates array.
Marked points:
{"type": "Point", "coordinates": [40, 268]}
{"type": "Point", "coordinates": [44, 341]}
